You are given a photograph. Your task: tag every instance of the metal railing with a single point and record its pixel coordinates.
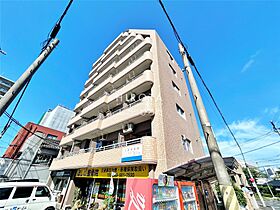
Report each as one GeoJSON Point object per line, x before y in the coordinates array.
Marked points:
{"type": "Point", "coordinates": [129, 62]}
{"type": "Point", "coordinates": [116, 60]}
{"type": "Point", "coordinates": [108, 115]}
{"type": "Point", "coordinates": [102, 148]}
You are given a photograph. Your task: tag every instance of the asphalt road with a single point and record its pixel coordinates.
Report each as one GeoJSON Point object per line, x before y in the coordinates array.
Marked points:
{"type": "Point", "coordinates": [271, 203]}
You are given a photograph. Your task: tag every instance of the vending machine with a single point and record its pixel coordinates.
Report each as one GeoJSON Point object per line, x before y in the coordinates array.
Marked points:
{"type": "Point", "coordinates": [165, 197]}
{"type": "Point", "coordinates": [188, 196]}
{"type": "Point", "coordinates": [151, 194]}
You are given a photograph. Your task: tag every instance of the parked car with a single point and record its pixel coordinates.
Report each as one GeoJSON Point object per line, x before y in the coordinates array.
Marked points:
{"type": "Point", "coordinates": [26, 196]}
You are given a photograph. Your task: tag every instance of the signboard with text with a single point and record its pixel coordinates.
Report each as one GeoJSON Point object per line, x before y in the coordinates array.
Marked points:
{"type": "Point", "coordinates": [132, 153]}
{"type": "Point", "coordinates": [139, 171]}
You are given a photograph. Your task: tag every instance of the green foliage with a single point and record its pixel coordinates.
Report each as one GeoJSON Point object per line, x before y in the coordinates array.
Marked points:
{"type": "Point", "coordinates": [255, 173]}
{"type": "Point", "coordinates": [266, 192]}
{"type": "Point", "coordinates": [240, 196]}
{"type": "Point", "coordinates": [109, 201]}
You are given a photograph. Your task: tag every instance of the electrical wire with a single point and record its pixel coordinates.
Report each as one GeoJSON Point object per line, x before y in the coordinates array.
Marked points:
{"type": "Point", "coordinates": [30, 131]}
{"type": "Point", "coordinates": [255, 139]}
{"type": "Point", "coordinates": [202, 80]}
{"type": "Point", "coordinates": [258, 148]}
{"type": "Point", "coordinates": [8, 124]}
{"type": "Point", "coordinates": [51, 35]}
{"type": "Point", "coordinates": [56, 28]}
{"type": "Point", "coordinates": [270, 160]}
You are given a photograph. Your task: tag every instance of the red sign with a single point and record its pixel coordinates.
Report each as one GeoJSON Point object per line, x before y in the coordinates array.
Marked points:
{"type": "Point", "coordinates": [138, 194]}
{"type": "Point", "coordinates": [252, 180]}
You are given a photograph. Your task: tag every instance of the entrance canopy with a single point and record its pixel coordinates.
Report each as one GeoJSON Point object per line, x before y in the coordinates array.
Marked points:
{"type": "Point", "coordinates": [201, 168]}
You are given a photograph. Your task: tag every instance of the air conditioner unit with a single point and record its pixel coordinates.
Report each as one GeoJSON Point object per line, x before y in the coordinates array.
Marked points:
{"type": "Point", "coordinates": [131, 97]}
{"type": "Point", "coordinates": [128, 128]}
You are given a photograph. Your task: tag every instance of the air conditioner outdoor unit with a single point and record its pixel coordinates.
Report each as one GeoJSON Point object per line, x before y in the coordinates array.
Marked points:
{"type": "Point", "coordinates": [130, 97]}
{"type": "Point", "coordinates": [128, 128]}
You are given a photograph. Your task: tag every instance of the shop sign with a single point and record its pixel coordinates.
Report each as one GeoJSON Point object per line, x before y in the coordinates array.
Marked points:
{"type": "Point", "coordinates": [60, 173]}
{"type": "Point", "coordinates": [164, 180]}
{"type": "Point", "coordinates": [138, 194]}
{"type": "Point", "coordinates": [140, 171]}
{"type": "Point", "coordinates": [132, 153]}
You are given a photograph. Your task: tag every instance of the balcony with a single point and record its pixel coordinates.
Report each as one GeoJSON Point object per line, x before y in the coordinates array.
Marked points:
{"type": "Point", "coordinates": [80, 159]}
{"type": "Point", "coordinates": [137, 85]}
{"type": "Point", "coordinates": [110, 155]}
{"type": "Point", "coordinates": [117, 50]}
{"type": "Point", "coordinates": [138, 111]}
{"type": "Point", "coordinates": [141, 62]}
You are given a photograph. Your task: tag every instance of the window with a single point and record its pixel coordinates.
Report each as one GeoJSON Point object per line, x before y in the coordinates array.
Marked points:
{"type": "Point", "coordinates": [187, 144]}
{"type": "Point", "coordinates": [5, 193]}
{"type": "Point", "coordinates": [23, 192]}
{"type": "Point", "coordinates": [50, 136]}
{"type": "Point", "coordinates": [42, 192]}
{"type": "Point", "coordinates": [180, 111]}
{"type": "Point", "coordinates": [170, 56]}
{"type": "Point", "coordinates": [175, 87]}
{"type": "Point", "coordinates": [173, 70]}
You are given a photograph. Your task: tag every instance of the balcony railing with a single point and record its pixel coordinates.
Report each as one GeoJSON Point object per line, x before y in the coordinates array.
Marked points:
{"type": "Point", "coordinates": [103, 148]}
{"type": "Point", "coordinates": [129, 62]}
{"type": "Point", "coordinates": [104, 117]}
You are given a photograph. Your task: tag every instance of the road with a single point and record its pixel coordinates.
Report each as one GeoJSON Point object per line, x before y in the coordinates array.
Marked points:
{"type": "Point", "coordinates": [271, 203]}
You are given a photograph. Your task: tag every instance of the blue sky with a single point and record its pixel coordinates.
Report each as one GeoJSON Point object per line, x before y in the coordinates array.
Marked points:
{"type": "Point", "coordinates": [235, 44]}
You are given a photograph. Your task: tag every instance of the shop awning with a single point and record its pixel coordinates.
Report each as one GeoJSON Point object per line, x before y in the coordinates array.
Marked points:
{"type": "Point", "coordinates": [200, 169]}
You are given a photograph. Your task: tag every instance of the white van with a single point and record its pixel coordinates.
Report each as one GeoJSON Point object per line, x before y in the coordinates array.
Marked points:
{"type": "Point", "coordinates": [26, 195]}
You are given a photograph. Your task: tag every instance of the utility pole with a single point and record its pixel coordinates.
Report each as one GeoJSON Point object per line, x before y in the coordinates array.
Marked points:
{"type": "Point", "coordinates": [226, 188]}
{"type": "Point", "coordinates": [25, 77]}
{"type": "Point", "coordinates": [267, 181]}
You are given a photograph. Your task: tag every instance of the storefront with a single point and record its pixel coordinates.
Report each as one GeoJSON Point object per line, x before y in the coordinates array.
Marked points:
{"type": "Point", "coordinates": [106, 184]}
{"type": "Point", "coordinates": [58, 183]}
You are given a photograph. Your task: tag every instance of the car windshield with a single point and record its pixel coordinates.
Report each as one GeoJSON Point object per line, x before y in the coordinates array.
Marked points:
{"type": "Point", "coordinates": [5, 193]}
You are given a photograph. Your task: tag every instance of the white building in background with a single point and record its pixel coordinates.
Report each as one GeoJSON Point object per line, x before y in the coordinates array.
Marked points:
{"type": "Point", "coordinates": [5, 85]}
{"type": "Point", "coordinates": [57, 118]}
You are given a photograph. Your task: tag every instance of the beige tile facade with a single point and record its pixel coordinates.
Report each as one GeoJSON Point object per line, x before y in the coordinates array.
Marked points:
{"type": "Point", "coordinates": [135, 82]}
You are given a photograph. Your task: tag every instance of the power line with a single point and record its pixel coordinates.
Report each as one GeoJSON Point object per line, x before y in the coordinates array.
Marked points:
{"type": "Point", "coordinates": [8, 124]}
{"type": "Point", "coordinates": [258, 138]}
{"type": "Point", "coordinates": [199, 75]}
{"type": "Point", "coordinates": [186, 56]}
{"type": "Point", "coordinates": [270, 165]}
{"type": "Point", "coordinates": [270, 160]}
{"type": "Point", "coordinates": [56, 28]}
{"type": "Point", "coordinates": [258, 148]}
{"type": "Point", "coordinates": [52, 35]}
{"type": "Point", "coordinates": [30, 131]}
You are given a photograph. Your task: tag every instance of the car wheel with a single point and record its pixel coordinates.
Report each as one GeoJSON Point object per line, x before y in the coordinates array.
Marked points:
{"type": "Point", "coordinates": [50, 208]}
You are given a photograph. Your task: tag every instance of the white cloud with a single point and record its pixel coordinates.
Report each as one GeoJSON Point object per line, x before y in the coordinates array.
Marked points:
{"type": "Point", "coordinates": [250, 62]}
{"type": "Point", "coordinates": [272, 111]}
{"type": "Point", "coordinates": [250, 134]}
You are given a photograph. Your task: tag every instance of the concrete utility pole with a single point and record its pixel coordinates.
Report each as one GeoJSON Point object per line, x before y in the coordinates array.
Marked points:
{"type": "Point", "coordinates": [255, 185]}
{"type": "Point", "coordinates": [25, 77]}
{"type": "Point", "coordinates": [226, 188]}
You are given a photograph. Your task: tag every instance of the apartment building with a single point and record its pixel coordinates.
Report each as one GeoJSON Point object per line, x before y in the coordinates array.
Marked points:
{"type": "Point", "coordinates": [57, 118]}
{"type": "Point", "coordinates": [134, 119]}
{"type": "Point", "coordinates": [5, 85]}
{"type": "Point", "coordinates": [29, 155]}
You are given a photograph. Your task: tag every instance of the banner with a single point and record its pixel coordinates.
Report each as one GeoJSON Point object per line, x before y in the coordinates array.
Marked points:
{"type": "Point", "coordinates": [136, 171]}
{"type": "Point", "coordinates": [138, 194]}
{"type": "Point", "coordinates": [132, 153]}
